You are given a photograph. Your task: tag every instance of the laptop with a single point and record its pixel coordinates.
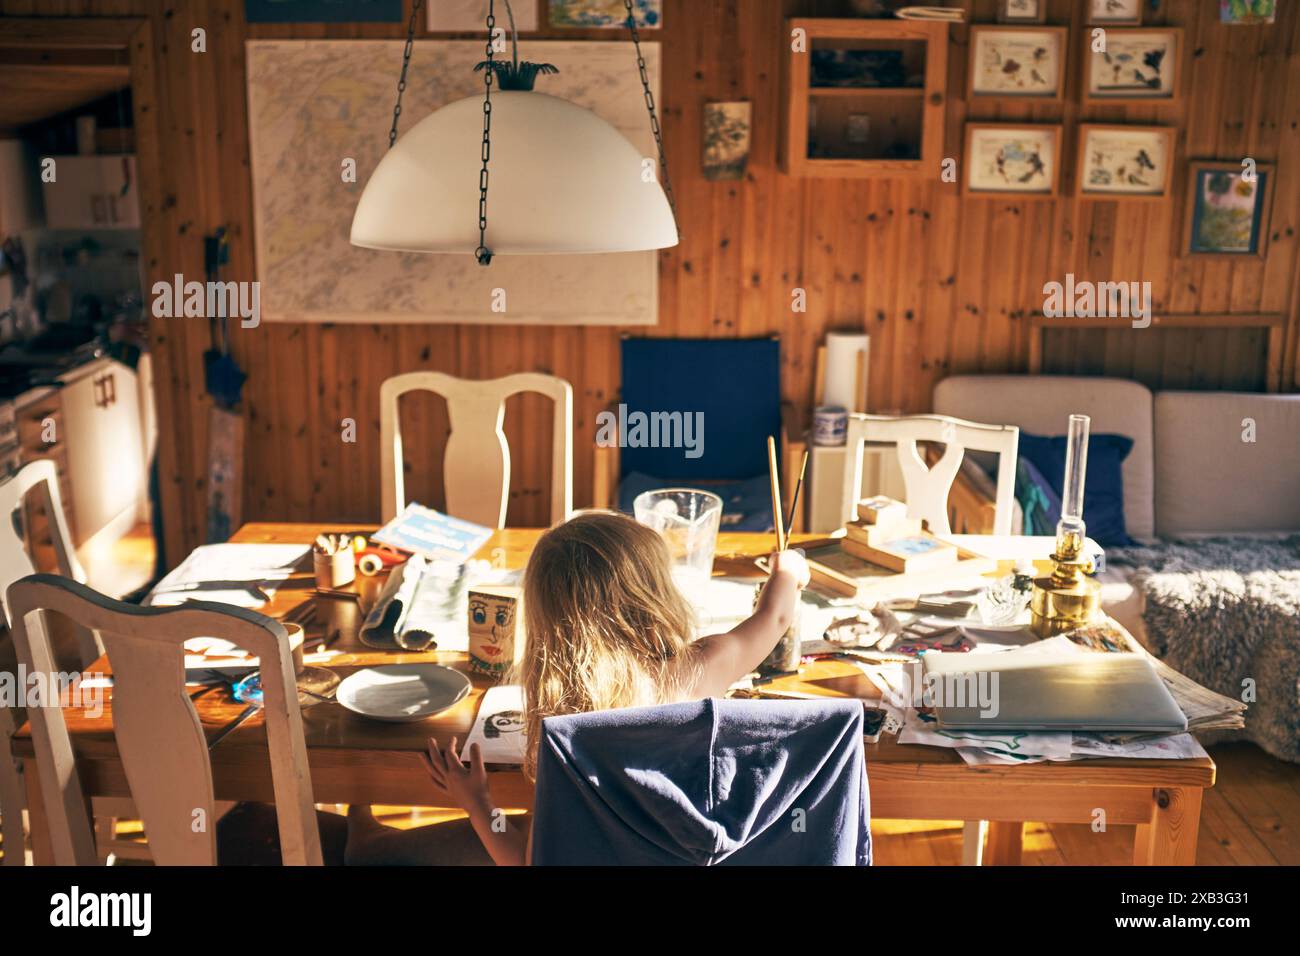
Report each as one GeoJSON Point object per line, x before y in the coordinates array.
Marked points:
{"type": "Point", "coordinates": [1087, 692]}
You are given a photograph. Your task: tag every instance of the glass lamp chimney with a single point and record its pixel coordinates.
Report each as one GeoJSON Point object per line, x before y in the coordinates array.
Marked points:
{"type": "Point", "coordinates": [1071, 529]}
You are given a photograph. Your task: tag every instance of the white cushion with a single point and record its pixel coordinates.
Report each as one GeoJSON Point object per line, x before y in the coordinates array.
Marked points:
{"type": "Point", "coordinates": [1209, 480]}
{"type": "Point", "coordinates": [1042, 405]}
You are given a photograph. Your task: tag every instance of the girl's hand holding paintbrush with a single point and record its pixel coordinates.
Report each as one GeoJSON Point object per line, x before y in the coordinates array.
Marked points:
{"type": "Point", "coordinates": [790, 563]}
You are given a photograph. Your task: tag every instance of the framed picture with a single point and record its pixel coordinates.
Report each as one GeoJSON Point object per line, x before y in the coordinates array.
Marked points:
{"type": "Point", "coordinates": [1137, 66]}
{"type": "Point", "coordinates": [1247, 11]}
{"type": "Point", "coordinates": [1022, 11]}
{"type": "Point", "coordinates": [1227, 214]}
{"type": "Point", "coordinates": [605, 14]}
{"type": "Point", "coordinates": [1115, 12]}
{"type": "Point", "coordinates": [465, 16]}
{"type": "Point", "coordinates": [1012, 159]}
{"type": "Point", "coordinates": [1124, 162]}
{"type": "Point", "coordinates": [1017, 62]}
{"type": "Point", "coordinates": [726, 139]}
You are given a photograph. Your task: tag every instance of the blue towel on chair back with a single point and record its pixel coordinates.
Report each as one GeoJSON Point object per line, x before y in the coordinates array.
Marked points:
{"type": "Point", "coordinates": [709, 782]}
{"type": "Point", "coordinates": [733, 388]}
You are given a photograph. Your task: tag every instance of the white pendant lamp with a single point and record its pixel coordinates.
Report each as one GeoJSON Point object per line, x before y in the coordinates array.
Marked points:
{"type": "Point", "coordinates": [559, 179]}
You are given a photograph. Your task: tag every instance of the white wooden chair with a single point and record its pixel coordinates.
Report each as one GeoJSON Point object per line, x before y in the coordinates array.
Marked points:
{"type": "Point", "coordinates": [928, 486]}
{"type": "Point", "coordinates": [161, 742]}
{"type": "Point", "coordinates": [928, 489]}
{"type": "Point", "coordinates": [41, 479]}
{"type": "Point", "coordinates": [476, 462]}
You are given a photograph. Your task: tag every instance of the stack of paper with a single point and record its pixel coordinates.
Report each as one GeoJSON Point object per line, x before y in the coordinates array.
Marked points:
{"type": "Point", "coordinates": [245, 575]}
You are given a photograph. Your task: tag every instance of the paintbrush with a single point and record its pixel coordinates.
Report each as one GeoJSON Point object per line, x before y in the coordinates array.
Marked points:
{"type": "Point", "coordinates": [794, 502]}
{"type": "Point", "coordinates": [778, 525]}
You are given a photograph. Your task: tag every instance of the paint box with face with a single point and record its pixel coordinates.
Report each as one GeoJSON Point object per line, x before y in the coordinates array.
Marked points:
{"type": "Point", "coordinates": [495, 631]}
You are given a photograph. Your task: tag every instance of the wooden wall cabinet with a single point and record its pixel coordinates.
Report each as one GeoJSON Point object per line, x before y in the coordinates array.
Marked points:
{"type": "Point", "coordinates": [30, 421]}
{"type": "Point", "coordinates": [863, 98]}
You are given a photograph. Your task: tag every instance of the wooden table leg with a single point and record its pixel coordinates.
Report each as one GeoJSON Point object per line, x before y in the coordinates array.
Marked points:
{"type": "Point", "coordinates": [972, 842]}
{"type": "Point", "coordinates": [1170, 838]}
{"type": "Point", "coordinates": [38, 825]}
{"type": "Point", "coordinates": [1004, 844]}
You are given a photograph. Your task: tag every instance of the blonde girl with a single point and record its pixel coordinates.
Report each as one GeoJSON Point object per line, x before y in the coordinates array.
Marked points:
{"type": "Point", "coordinates": [605, 627]}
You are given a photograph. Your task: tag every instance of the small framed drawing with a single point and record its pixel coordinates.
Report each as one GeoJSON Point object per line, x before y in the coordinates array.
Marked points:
{"type": "Point", "coordinates": [1022, 11]}
{"type": "Point", "coordinates": [1137, 66]}
{"type": "Point", "coordinates": [1017, 62]}
{"type": "Point", "coordinates": [1247, 11]}
{"type": "Point", "coordinates": [1124, 162]}
{"type": "Point", "coordinates": [1227, 214]}
{"type": "Point", "coordinates": [726, 139]}
{"type": "Point", "coordinates": [1012, 159]}
{"type": "Point", "coordinates": [1116, 13]}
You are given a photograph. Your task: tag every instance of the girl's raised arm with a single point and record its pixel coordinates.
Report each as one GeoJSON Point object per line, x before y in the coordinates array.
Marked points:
{"type": "Point", "coordinates": [721, 659]}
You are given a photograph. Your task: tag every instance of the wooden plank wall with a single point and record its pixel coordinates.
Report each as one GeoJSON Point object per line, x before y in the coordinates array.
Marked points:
{"type": "Point", "coordinates": [943, 285]}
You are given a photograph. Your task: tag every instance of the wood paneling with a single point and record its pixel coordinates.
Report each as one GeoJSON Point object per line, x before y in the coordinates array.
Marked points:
{"type": "Point", "coordinates": [944, 285]}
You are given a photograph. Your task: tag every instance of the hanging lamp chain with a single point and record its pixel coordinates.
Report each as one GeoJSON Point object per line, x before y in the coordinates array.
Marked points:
{"type": "Point", "coordinates": [483, 254]}
{"type": "Point", "coordinates": [406, 63]}
{"type": "Point", "coordinates": [654, 117]}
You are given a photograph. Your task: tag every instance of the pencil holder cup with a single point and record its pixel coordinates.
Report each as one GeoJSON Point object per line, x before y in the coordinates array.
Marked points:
{"type": "Point", "coordinates": [785, 656]}
{"type": "Point", "coordinates": [334, 570]}
{"type": "Point", "coordinates": [830, 426]}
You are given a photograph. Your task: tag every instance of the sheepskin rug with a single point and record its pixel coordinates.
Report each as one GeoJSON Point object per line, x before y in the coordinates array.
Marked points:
{"type": "Point", "coordinates": [1226, 612]}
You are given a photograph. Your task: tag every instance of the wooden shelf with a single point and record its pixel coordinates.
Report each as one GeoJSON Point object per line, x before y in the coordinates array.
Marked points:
{"type": "Point", "coordinates": [848, 132]}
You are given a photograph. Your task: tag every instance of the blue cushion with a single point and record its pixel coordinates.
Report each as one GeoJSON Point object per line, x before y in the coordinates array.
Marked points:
{"type": "Point", "coordinates": [1103, 491]}
{"type": "Point", "coordinates": [746, 505]}
{"type": "Point", "coordinates": [734, 384]}
{"type": "Point", "coordinates": [1039, 503]}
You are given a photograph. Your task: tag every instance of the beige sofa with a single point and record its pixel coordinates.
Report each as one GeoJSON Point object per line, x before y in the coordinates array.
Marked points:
{"type": "Point", "coordinates": [1190, 471]}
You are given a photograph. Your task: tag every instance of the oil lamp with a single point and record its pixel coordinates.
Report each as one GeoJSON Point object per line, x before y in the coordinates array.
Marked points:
{"type": "Point", "coordinates": [1068, 597]}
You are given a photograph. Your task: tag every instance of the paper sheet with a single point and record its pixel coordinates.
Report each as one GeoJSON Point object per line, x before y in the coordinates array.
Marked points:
{"type": "Point", "coordinates": [245, 575]}
{"type": "Point", "coordinates": [498, 728]}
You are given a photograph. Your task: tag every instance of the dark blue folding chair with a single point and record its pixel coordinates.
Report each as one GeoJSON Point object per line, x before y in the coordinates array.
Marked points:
{"type": "Point", "coordinates": [733, 388]}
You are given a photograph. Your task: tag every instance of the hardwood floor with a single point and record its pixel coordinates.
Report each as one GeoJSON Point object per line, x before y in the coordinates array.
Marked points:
{"type": "Point", "coordinates": [1250, 817]}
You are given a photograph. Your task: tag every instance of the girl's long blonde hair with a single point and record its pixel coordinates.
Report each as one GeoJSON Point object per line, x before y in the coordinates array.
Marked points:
{"type": "Point", "coordinates": [605, 625]}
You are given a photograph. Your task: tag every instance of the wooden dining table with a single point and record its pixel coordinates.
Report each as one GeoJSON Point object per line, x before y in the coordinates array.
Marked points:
{"type": "Point", "coordinates": [355, 760]}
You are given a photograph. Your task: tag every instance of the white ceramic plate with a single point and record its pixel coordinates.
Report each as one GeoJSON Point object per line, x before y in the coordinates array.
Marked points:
{"type": "Point", "coordinates": [402, 692]}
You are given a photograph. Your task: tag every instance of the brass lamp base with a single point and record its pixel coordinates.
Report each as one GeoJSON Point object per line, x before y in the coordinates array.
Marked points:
{"type": "Point", "coordinates": [1061, 605]}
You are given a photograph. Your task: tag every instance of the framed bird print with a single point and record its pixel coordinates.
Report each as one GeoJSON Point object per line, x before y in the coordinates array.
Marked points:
{"type": "Point", "coordinates": [1124, 162]}
{"type": "Point", "coordinates": [1227, 209]}
{"type": "Point", "coordinates": [1017, 62]}
{"type": "Point", "coordinates": [1022, 11]}
{"type": "Point", "coordinates": [1115, 13]}
{"type": "Point", "coordinates": [1136, 66]}
{"type": "Point", "coordinates": [1021, 160]}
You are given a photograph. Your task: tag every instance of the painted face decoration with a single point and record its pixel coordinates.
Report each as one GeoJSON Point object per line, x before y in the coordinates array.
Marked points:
{"type": "Point", "coordinates": [492, 617]}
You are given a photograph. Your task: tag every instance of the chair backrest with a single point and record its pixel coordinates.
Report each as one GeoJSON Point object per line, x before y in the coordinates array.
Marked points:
{"type": "Point", "coordinates": [476, 461]}
{"type": "Point", "coordinates": [42, 477]}
{"type": "Point", "coordinates": [732, 385]}
{"type": "Point", "coordinates": [159, 737]}
{"type": "Point", "coordinates": [708, 782]}
{"type": "Point", "coordinates": [928, 487]}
